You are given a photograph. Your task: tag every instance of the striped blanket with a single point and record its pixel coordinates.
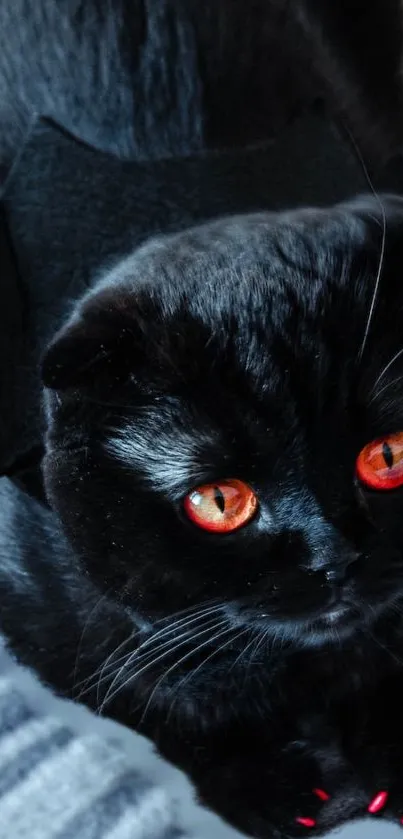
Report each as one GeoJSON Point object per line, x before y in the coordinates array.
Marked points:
{"type": "Point", "coordinates": [66, 774]}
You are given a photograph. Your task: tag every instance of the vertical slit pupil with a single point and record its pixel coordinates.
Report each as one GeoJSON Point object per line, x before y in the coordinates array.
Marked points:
{"type": "Point", "coordinates": [387, 455]}
{"type": "Point", "coordinates": [219, 499]}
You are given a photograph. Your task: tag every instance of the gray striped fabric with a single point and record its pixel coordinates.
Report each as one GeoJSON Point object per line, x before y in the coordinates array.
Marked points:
{"type": "Point", "coordinates": [66, 774]}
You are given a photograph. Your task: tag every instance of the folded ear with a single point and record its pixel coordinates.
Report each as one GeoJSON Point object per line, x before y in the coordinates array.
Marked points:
{"type": "Point", "coordinates": [116, 335]}
{"type": "Point", "coordinates": [77, 352]}
{"type": "Point", "coordinates": [105, 341]}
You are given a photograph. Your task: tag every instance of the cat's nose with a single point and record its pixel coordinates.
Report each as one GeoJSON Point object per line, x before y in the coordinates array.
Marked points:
{"type": "Point", "coordinates": [332, 554]}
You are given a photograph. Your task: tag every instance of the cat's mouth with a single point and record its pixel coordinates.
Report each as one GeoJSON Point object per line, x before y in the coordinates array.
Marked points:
{"type": "Point", "coordinates": [332, 625]}
{"type": "Point", "coordinates": [333, 622]}
{"type": "Point", "coordinates": [341, 618]}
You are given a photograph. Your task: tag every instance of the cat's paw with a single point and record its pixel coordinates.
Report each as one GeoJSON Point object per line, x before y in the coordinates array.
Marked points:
{"type": "Point", "coordinates": [380, 804]}
{"type": "Point", "coordinates": [388, 804]}
{"type": "Point", "coordinates": [347, 801]}
{"type": "Point", "coordinates": [266, 802]}
{"type": "Point", "coordinates": [309, 818]}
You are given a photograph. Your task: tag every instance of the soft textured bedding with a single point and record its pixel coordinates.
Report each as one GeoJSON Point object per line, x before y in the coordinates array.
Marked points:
{"type": "Point", "coordinates": [66, 774]}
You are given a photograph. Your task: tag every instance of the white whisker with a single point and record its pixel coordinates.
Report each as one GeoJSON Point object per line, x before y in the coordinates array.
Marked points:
{"type": "Point", "coordinates": [244, 651]}
{"type": "Point", "coordinates": [111, 693]}
{"type": "Point", "coordinates": [158, 648]}
{"type": "Point", "coordinates": [81, 641]}
{"type": "Point", "coordinates": [386, 368]}
{"type": "Point", "coordinates": [195, 609]}
{"type": "Point", "coordinates": [260, 640]}
{"type": "Point", "coordinates": [109, 664]}
{"type": "Point", "coordinates": [150, 641]}
{"type": "Point", "coordinates": [385, 387]}
{"type": "Point", "coordinates": [376, 640]}
{"type": "Point", "coordinates": [383, 245]}
{"type": "Point", "coordinates": [181, 624]}
{"type": "Point", "coordinates": [114, 663]}
{"type": "Point", "coordinates": [147, 648]}
{"type": "Point", "coordinates": [377, 282]}
{"type": "Point", "coordinates": [182, 660]}
{"type": "Point", "coordinates": [95, 679]}
{"type": "Point", "coordinates": [192, 674]}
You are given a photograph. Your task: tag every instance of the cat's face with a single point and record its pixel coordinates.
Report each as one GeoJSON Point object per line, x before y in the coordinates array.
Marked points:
{"type": "Point", "coordinates": [233, 352]}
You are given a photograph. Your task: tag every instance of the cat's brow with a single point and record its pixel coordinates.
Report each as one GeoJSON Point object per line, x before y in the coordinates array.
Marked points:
{"type": "Point", "coordinates": [170, 462]}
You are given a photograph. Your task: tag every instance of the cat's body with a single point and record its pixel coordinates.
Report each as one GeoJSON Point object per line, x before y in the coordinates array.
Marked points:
{"type": "Point", "coordinates": [245, 349]}
{"type": "Point", "coordinates": [215, 354]}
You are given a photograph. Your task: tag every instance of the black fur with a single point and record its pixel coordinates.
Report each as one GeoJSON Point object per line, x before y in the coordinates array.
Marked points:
{"type": "Point", "coordinates": [230, 350]}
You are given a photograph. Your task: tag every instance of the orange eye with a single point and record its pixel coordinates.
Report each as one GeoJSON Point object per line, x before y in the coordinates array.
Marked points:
{"type": "Point", "coordinates": [222, 507]}
{"type": "Point", "coordinates": [380, 464]}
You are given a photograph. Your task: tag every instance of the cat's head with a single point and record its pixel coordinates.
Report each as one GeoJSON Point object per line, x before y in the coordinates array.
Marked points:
{"type": "Point", "coordinates": [207, 404]}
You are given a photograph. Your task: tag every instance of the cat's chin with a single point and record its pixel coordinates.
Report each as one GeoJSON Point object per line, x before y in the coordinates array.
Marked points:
{"type": "Point", "coordinates": [323, 633]}
{"type": "Point", "coordinates": [334, 626]}
{"type": "Point", "coordinates": [329, 628]}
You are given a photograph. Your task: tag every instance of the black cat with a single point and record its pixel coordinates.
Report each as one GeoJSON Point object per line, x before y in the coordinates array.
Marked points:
{"type": "Point", "coordinates": [223, 566]}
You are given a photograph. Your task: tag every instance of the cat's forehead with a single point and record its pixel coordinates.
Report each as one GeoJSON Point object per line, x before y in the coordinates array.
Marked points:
{"type": "Point", "coordinates": [262, 265]}
{"type": "Point", "coordinates": [274, 248]}
{"type": "Point", "coordinates": [262, 273]}
{"type": "Point", "coordinates": [283, 297]}
{"type": "Point", "coordinates": [273, 296]}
